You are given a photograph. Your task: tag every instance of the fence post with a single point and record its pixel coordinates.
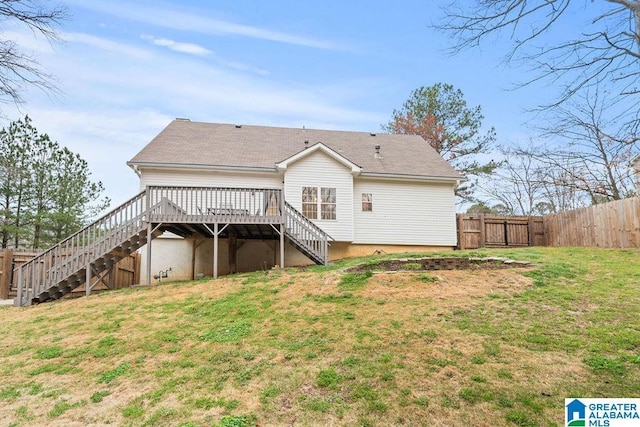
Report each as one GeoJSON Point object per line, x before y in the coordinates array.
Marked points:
{"type": "Point", "coordinates": [483, 232]}
{"type": "Point", "coordinates": [7, 270]}
{"type": "Point", "coordinates": [460, 219]}
{"type": "Point", "coordinates": [506, 236]}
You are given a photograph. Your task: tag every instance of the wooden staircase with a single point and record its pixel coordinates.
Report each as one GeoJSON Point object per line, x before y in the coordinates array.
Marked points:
{"type": "Point", "coordinates": [94, 250]}
{"type": "Point", "coordinates": [305, 236]}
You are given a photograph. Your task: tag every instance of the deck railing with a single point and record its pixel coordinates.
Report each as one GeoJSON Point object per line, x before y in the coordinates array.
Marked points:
{"type": "Point", "coordinates": [215, 204]}
{"type": "Point", "coordinates": [75, 252]}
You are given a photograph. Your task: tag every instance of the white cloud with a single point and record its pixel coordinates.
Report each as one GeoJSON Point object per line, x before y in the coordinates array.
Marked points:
{"type": "Point", "coordinates": [163, 17]}
{"type": "Point", "coordinates": [189, 48]}
{"type": "Point", "coordinates": [105, 44]}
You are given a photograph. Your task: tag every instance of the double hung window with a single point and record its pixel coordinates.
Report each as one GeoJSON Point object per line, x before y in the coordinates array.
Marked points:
{"type": "Point", "coordinates": [323, 207]}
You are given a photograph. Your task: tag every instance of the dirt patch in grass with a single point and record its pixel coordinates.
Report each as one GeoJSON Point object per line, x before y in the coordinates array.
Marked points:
{"type": "Point", "coordinates": [450, 284]}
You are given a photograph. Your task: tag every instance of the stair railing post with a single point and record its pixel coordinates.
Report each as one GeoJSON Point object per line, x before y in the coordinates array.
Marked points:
{"type": "Point", "coordinates": [87, 283]}
{"type": "Point", "coordinates": [325, 249]}
{"type": "Point", "coordinates": [18, 300]}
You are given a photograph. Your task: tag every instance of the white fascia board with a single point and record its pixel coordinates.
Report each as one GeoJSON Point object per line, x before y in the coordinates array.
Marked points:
{"type": "Point", "coordinates": [355, 169]}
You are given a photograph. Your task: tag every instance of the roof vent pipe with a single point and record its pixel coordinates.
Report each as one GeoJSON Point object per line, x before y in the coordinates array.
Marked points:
{"type": "Point", "coordinates": [238, 126]}
{"type": "Point", "coordinates": [306, 143]}
{"type": "Point", "coordinates": [377, 155]}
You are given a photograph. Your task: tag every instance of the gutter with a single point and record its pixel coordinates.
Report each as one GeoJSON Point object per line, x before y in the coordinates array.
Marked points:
{"type": "Point", "coordinates": [137, 166]}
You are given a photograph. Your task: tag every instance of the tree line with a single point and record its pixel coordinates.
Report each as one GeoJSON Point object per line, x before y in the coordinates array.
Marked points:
{"type": "Point", "coordinates": [46, 191]}
{"type": "Point", "coordinates": [582, 155]}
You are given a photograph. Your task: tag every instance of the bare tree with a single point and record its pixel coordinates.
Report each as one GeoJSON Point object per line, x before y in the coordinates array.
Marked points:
{"type": "Point", "coordinates": [593, 151]}
{"type": "Point", "coordinates": [525, 185]}
{"type": "Point", "coordinates": [19, 69]}
{"type": "Point", "coordinates": [516, 187]}
{"type": "Point", "coordinates": [586, 160]}
{"type": "Point", "coordinates": [606, 51]}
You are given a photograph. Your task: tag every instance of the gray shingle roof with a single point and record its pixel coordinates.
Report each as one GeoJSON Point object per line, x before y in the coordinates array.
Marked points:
{"type": "Point", "coordinates": [187, 143]}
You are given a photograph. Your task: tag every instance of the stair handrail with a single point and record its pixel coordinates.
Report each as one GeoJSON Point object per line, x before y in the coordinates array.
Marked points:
{"type": "Point", "coordinates": [306, 221]}
{"type": "Point", "coordinates": [50, 259]}
{"type": "Point", "coordinates": [92, 224]}
{"type": "Point", "coordinates": [318, 237]}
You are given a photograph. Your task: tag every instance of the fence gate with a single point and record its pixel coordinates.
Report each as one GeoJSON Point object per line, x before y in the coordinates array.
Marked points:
{"type": "Point", "coordinates": [494, 231]}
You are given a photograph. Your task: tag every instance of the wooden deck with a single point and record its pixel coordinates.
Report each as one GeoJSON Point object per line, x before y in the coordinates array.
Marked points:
{"type": "Point", "coordinates": [258, 213]}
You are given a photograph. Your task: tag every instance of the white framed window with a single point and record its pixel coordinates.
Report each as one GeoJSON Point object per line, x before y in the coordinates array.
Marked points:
{"type": "Point", "coordinates": [328, 203]}
{"type": "Point", "coordinates": [323, 207]}
{"type": "Point", "coordinates": [367, 202]}
{"type": "Point", "coordinates": [310, 202]}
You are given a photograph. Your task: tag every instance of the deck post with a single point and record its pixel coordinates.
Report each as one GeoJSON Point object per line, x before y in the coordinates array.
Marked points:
{"type": "Point", "coordinates": [233, 249]}
{"type": "Point", "coordinates": [149, 238]}
{"type": "Point", "coordinates": [193, 259]}
{"type": "Point", "coordinates": [215, 250]}
{"type": "Point", "coordinates": [281, 245]}
{"type": "Point", "coordinates": [112, 276]}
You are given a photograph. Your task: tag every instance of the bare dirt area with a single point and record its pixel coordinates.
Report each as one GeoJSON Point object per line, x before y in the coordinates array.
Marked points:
{"type": "Point", "coordinates": [449, 284]}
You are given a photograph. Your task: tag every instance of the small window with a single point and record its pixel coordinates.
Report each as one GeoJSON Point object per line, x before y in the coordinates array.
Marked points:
{"type": "Point", "coordinates": [367, 202]}
{"type": "Point", "coordinates": [328, 206]}
{"type": "Point", "coordinates": [310, 202]}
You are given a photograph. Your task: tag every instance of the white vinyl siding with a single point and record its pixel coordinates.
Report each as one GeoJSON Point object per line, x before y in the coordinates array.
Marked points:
{"type": "Point", "coordinates": [189, 178]}
{"type": "Point", "coordinates": [405, 213]}
{"type": "Point", "coordinates": [321, 171]}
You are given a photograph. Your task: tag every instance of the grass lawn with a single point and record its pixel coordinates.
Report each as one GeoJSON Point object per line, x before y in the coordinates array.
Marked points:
{"type": "Point", "coordinates": [321, 347]}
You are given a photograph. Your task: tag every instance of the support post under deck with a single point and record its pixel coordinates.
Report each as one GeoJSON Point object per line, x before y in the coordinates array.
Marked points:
{"type": "Point", "coordinates": [281, 245]}
{"type": "Point", "coordinates": [149, 238]}
{"type": "Point", "coordinates": [215, 250]}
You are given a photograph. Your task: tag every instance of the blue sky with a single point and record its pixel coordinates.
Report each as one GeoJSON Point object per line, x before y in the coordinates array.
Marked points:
{"type": "Point", "coordinates": [127, 68]}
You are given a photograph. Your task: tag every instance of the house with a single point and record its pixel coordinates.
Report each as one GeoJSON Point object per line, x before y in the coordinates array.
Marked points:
{"type": "Point", "coordinates": [368, 192]}
{"type": "Point", "coordinates": [220, 198]}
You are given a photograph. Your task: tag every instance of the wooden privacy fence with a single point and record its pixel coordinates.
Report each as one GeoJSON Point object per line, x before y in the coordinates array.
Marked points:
{"type": "Point", "coordinates": [126, 272]}
{"type": "Point", "coordinates": [609, 225]}
{"type": "Point", "coordinates": [496, 231]}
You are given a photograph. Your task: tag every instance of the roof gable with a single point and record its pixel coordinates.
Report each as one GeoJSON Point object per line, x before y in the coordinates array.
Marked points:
{"type": "Point", "coordinates": [319, 147]}
{"type": "Point", "coordinates": [187, 144]}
